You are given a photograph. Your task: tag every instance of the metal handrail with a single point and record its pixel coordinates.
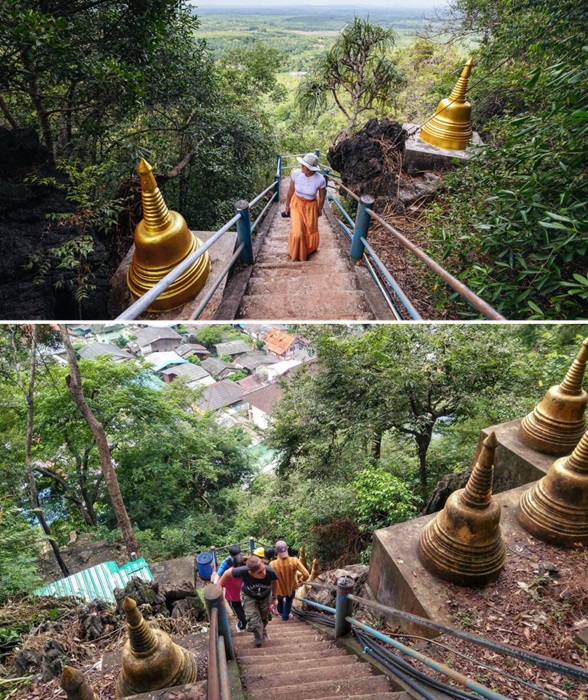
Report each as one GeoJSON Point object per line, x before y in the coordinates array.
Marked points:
{"type": "Point", "coordinates": [213, 687]}
{"type": "Point", "coordinates": [220, 644]}
{"type": "Point", "coordinates": [463, 290]}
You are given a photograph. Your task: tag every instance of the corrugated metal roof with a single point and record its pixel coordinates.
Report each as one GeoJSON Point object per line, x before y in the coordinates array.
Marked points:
{"type": "Point", "coordinates": [223, 393]}
{"type": "Point", "coordinates": [92, 350]}
{"type": "Point", "coordinates": [97, 582]}
{"type": "Point", "coordinates": [234, 347]}
{"type": "Point", "coordinates": [147, 335]}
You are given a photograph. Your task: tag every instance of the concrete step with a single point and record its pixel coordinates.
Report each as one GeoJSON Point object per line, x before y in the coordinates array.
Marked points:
{"type": "Point", "coordinates": [275, 639]}
{"type": "Point", "coordinates": [269, 667]}
{"type": "Point", "coordinates": [402, 695]}
{"type": "Point", "coordinates": [275, 267]}
{"type": "Point", "coordinates": [297, 283]}
{"type": "Point", "coordinates": [245, 659]}
{"type": "Point", "coordinates": [305, 674]}
{"type": "Point", "coordinates": [342, 688]}
{"type": "Point", "coordinates": [267, 650]}
{"type": "Point", "coordinates": [321, 305]}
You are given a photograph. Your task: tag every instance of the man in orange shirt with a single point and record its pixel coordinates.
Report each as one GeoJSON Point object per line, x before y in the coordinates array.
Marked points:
{"type": "Point", "coordinates": [287, 567]}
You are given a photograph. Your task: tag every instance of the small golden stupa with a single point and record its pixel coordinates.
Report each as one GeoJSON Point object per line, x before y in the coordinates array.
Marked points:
{"type": "Point", "coordinates": [451, 126]}
{"type": "Point", "coordinates": [150, 660]}
{"type": "Point", "coordinates": [75, 685]}
{"type": "Point", "coordinates": [555, 509]}
{"type": "Point", "coordinates": [557, 423]}
{"type": "Point", "coordinates": [463, 544]}
{"type": "Point", "coordinates": [162, 241]}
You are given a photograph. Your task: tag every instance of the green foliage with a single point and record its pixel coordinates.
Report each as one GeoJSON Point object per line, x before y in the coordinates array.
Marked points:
{"type": "Point", "coordinates": [356, 72]}
{"type": "Point", "coordinates": [382, 499]}
{"type": "Point", "coordinates": [520, 238]}
{"type": "Point", "coordinates": [19, 548]}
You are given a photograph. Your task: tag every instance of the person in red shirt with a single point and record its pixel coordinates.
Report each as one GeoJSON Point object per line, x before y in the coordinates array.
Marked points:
{"type": "Point", "coordinates": [232, 588]}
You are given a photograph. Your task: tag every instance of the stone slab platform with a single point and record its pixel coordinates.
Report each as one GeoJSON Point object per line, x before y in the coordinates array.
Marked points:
{"type": "Point", "coordinates": [220, 253]}
{"type": "Point", "coordinates": [515, 464]}
{"type": "Point", "coordinates": [420, 156]}
{"type": "Point", "coordinates": [174, 570]}
{"type": "Point", "coordinates": [398, 579]}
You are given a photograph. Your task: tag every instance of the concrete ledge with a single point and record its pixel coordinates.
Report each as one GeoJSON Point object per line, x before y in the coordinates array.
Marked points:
{"type": "Point", "coordinates": [420, 156]}
{"type": "Point", "coordinates": [398, 579]}
{"type": "Point", "coordinates": [515, 463]}
{"type": "Point", "coordinates": [221, 251]}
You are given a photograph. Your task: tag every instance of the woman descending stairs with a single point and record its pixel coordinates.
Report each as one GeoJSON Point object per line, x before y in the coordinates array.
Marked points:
{"type": "Point", "coordinates": [298, 663]}
{"type": "Point", "coordinates": [324, 287]}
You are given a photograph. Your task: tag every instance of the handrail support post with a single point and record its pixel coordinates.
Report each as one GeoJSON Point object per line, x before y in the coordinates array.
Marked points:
{"type": "Point", "coordinates": [251, 544]}
{"type": "Point", "coordinates": [215, 600]}
{"type": "Point", "coordinates": [244, 231]}
{"type": "Point", "coordinates": [362, 224]}
{"type": "Point", "coordinates": [343, 606]}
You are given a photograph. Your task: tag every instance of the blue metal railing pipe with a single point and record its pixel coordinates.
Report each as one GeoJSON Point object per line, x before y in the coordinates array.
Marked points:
{"type": "Point", "coordinates": [143, 303]}
{"type": "Point", "coordinates": [320, 606]}
{"type": "Point", "coordinates": [539, 660]}
{"type": "Point", "coordinates": [413, 313]}
{"type": "Point", "coordinates": [263, 211]}
{"type": "Point", "coordinates": [223, 671]}
{"type": "Point", "coordinates": [223, 273]}
{"type": "Point", "coordinates": [462, 289]}
{"type": "Point", "coordinates": [347, 231]}
{"type": "Point", "coordinates": [261, 195]}
{"type": "Point", "coordinates": [341, 208]}
{"type": "Point", "coordinates": [383, 291]}
{"type": "Point", "coordinates": [431, 663]}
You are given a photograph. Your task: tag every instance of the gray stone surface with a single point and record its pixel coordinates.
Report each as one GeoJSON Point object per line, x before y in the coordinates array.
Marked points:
{"type": "Point", "coordinates": [221, 251]}
{"type": "Point", "coordinates": [421, 156]}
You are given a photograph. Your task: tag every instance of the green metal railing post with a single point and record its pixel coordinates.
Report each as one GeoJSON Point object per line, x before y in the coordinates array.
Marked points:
{"type": "Point", "coordinates": [317, 152]}
{"type": "Point", "coordinates": [362, 224]}
{"type": "Point", "coordinates": [214, 559]}
{"type": "Point", "coordinates": [326, 172]}
{"type": "Point", "coordinates": [244, 231]}
{"type": "Point", "coordinates": [252, 544]}
{"type": "Point", "coordinates": [214, 600]}
{"type": "Point", "coordinates": [343, 606]}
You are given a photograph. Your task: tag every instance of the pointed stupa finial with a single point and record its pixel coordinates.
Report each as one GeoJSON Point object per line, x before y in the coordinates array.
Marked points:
{"type": "Point", "coordinates": [162, 241]}
{"type": "Point", "coordinates": [556, 424]}
{"type": "Point", "coordinates": [458, 94]}
{"type": "Point", "coordinates": [450, 127]}
{"type": "Point", "coordinates": [463, 542]}
{"type": "Point", "coordinates": [150, 659]}
{"type": "Point", "coordinates": [574, 379]}
{"type": "Point", "coordinates": [141, 637]}
{"type": "Point", "coordinates": [555, 508]}
{"type": "Point", "coordinates": [478, 490]}
{"type": "Point", "coordinates": [75, 685]}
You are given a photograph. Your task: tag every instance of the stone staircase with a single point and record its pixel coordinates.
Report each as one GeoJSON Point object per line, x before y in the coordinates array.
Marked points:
{"type": "Point", "coordinates": [299, 663]}
{"type": "Point", "coordinates": [323, 288]}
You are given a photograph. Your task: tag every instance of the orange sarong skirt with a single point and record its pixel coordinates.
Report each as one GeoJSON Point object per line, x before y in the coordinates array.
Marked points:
{"type": "Point", "coordinates": [304, 234]}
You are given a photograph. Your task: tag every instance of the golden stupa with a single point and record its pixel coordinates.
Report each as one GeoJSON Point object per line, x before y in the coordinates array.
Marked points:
{"type": "Point", "coordinates": [555, 509]}
{"type": "Point", "coordinates": [463, 544]}
{"type": "Point", "coordinates": [150, 660]}
{"type": "Point", "coordinates": [557, 423]}
{"type": "Point", "coordinates": [162, 241]}
{"type": "Point", "coordinates": [451, 127]}
{"type": "Point", "coordinates": [75, 685]}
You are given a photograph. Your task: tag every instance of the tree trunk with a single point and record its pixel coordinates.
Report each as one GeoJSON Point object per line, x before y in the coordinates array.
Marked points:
{"type": "Point", "coordinates": [74, 382]}
{"type": "Point", "coordinates": [7, 113]}
{"type": "Point", "coordinates": [39, 104]}
{"type": "Point", "coordinates": [35, 503]}
{"type": "Point", "coordinates": [423, 441]}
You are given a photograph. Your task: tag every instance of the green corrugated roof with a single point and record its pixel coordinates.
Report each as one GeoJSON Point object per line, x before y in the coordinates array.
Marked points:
{"type": "Point", "coordinates": [97, 582]}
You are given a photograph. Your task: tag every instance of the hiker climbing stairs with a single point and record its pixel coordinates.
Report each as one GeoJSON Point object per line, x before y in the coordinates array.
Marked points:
{"type": "Point", "coordinates": [324, 287]}
{"type": "Point", "coordinates": [298, 661]}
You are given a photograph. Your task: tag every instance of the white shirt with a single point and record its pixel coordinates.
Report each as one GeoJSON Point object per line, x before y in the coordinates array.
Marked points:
{"type": "Point", "coordinates": [307, 187]}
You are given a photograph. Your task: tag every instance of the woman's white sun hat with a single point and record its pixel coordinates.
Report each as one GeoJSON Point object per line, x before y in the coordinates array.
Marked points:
{"type": "Point", "coordinates": [310, 160]}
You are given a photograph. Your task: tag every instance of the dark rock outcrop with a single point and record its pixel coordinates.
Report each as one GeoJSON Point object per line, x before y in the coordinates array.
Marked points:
{"type": "Point", "coordinates": [370, 162]}
{"type": "Point", "coordinates": [27, 234]}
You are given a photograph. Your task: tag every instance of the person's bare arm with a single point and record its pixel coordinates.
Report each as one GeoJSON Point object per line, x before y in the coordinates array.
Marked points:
{"type": "Point", "coordinates": [289, 196]}
{"type": "Point", "coordinates": [322, 193]}
{"type": "Point", "coordinates": [225, 577]}
{"type": "Point", "coordinates": [275, 590]}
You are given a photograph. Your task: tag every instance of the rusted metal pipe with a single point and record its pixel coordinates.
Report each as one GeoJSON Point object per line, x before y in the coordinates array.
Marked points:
{"type": "Point", "coordinates": [213, 687]}
{"type": "Point", "coordinates": [452, 281]}
{"type": "Point", "coordinates": [223, 671]}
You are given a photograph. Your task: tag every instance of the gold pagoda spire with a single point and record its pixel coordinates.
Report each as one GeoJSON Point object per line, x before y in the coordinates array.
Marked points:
{"type": "Point", "coordinates": [162, 241]}
{"type": "Point", "coordinates": [463, 544]}
{"type": "Point", "coordinates": [75, 685]}
{"type": "Point", "coordinates": [451, 127]}
{"type": "Point", "coordinates": [557, 423]}
{"type": "Point", "coordinates": [150, 659]}
{"type": "Point", "coordinates": [555, 509]}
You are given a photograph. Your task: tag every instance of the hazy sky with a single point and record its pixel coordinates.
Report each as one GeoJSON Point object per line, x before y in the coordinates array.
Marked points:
{"type": "Point", "coordinates": [390, 4]}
